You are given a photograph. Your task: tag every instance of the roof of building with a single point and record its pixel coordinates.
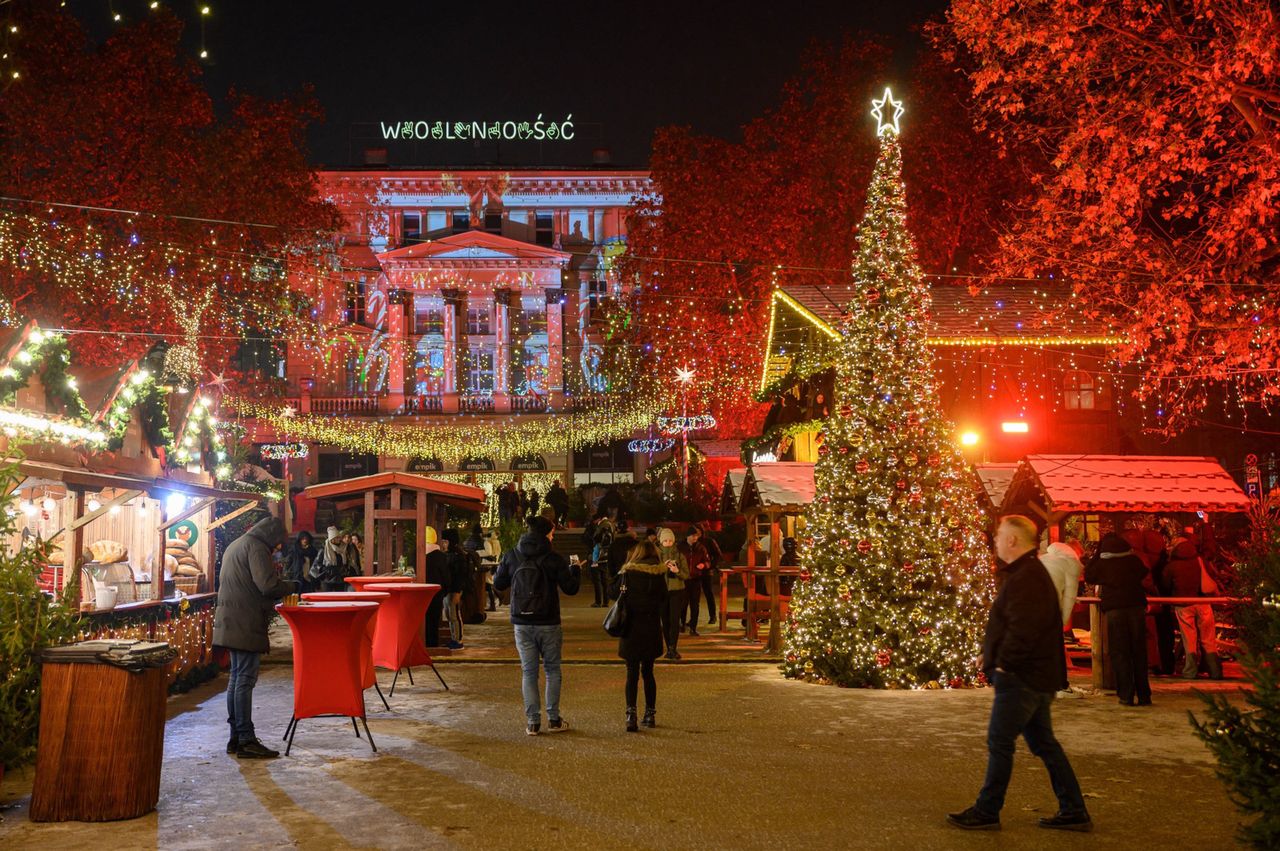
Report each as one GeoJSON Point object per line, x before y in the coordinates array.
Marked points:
{"type": "Point", "coordinates": [995, 479]}
{"type": "Point", "coordinates": [462, 496]}
{"type": "Point", "coordinates": [473, 245]}
{"type": "Point", "coordinates": [777, 484]}
{"type": "Point", "coordinates": [999, 313]}
{"type": "Point", "coordinates": [1145, 483]}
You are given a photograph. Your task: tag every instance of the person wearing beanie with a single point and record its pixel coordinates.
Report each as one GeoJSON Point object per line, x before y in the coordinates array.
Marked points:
{"type": "Point", "coordinates": [536, 574]}
{"type": "Point", "coordinates": [332, 569]}
{"type": "Point", "coordinates": [437, 574]}
{"type": "Point", "coordinates": [1120, 573]}
{"type": "Point", "coordinates": [677, 573]}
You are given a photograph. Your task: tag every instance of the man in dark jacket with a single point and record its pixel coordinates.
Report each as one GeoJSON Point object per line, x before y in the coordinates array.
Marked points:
{"type": "Point", "coordinates": [457, 573]}
{"type": "Point", "coordinates": [623, 540]}
{"type": "Point", "coordinates": [558, 498]}
{"type": "Point", "coordinates": [246, 596]}
{"type": "Point", "coordinates": [1122, 577]}
{"type": "Point", "coordinates": [536, 574]}
{"type": "Point", "coordinates": [1022, 655]}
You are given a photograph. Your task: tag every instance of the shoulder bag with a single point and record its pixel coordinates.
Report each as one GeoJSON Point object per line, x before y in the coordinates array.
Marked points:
{"type": "Point", "coordinates": [615, 620]}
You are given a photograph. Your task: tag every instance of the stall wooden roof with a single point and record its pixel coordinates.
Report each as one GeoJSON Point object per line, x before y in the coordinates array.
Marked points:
{"type": "Point", "coordinates": [784, 485]}
{"type": "Point", "coordinates": [995, 480]}
{"type": "Point", "coordinates": [1073, 483]}
{"type": "Point", "coordinates": [462, 496]}
{"type": "Point", "coordinates": [75, 478]}
{"type": "Point", "coordinates": [731, 490]}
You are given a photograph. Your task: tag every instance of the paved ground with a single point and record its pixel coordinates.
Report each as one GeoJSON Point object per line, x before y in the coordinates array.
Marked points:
{"type": "Point", "coordinates": [742, 759]}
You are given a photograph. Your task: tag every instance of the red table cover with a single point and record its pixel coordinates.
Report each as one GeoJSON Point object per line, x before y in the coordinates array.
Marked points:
{"type": "Point", "coordinates": [367, 674]}
{"type": "Point", "coordinates": [398, 640]}
{"type": "Point", "coordinates": [362, 583]}
{"type": "Point", "coordinates": [326, 657]}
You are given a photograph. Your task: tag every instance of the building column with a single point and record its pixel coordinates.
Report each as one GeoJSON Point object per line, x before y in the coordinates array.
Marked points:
{"type": "Point", "coordinates": [555, 347]}
{"type": "Point", "coordinates": [502, 349]}
{"type": "Point", "coordinates": [452, 360]}
{"type": "Point", "coordinates": [397, 344]}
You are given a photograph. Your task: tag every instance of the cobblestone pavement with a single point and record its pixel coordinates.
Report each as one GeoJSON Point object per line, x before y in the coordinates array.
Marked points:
{"type": "Point", "coordinates": [741, 759]}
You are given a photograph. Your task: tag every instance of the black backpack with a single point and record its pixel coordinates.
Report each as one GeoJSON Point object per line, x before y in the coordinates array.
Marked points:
{"type": "Point", "coordinates": [528, 589]}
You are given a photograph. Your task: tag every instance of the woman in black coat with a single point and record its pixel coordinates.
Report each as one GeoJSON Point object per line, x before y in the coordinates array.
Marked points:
{"type": "Point", "coordinates": [1120, 574]}
{"type": "Point", "coordinates": [646, 583]}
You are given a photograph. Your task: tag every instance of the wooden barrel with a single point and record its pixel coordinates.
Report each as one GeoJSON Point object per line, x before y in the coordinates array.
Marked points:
{"type": "Point", "coordinates": [101, 742]}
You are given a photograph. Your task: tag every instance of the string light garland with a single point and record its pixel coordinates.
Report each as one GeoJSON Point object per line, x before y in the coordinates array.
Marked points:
{"type": "Point", "coordinates": [894, 573]}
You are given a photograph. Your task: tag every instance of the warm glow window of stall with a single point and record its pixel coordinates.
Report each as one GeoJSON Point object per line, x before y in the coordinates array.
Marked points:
{"type": "Point", "coordinates": [1084, 391]}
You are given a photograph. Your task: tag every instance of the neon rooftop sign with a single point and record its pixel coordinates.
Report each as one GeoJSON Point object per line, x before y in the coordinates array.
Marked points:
{"type": "Point", "coordinates": [538, 130]}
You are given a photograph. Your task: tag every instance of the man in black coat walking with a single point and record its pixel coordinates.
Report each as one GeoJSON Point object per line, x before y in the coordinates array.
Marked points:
{"type": "Point", "coordinates": [1022, 655]}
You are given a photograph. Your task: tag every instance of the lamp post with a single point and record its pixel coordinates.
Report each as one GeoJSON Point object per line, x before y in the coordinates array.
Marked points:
{"type": "Point", "coordinates": [685, 376]}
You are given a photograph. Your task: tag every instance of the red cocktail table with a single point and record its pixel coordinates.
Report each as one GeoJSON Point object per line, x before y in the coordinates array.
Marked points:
{"type": "Point", "coordinates": [368, 677]}
{"type": "Point", "coordinates": [361, 583]}
{"type": "Point", "coordinates": [398, 641]}
{"type": "Point", "coordinates": [326, 662]}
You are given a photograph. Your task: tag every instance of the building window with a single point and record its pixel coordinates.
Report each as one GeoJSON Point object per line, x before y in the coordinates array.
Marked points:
{"type": "Point", "coordinates": [1083, 391]}
{"type": "Point", "coordinates": [461, 221]}
{"type": "Point", "coordinates": [478, 320]}
{"type": "Point", "coordinates": [493, 221]}
{"type": "Point", "coordinates": [428, 368]}
{"type": "Point", "coordinates": [357, 377]}
{"type": "Point", "coordinates": [411, 227]}
{"type": "Point", "coordinates": [480, 371]}
{"type": "Point", "coordinates": [356, 293]}
{"type": "Point", "coordinates": [428, 316]}
{"type": "Point", "coordinates": [544, 227]}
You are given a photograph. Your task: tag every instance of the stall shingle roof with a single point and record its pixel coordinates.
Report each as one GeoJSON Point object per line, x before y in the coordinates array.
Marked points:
{"type": "Point", "coordinates": [778, 484]}
{"type": "Point", "coordinates": [1069, 483]}
{"type": "Point", "coordinates": [995, 479]}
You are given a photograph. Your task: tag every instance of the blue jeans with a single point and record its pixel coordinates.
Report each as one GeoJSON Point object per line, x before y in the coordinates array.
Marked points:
{"type": "Point", "coordinates": [1020, 710]}
{"type": "Point", "coordinates": [244, 676]}
{"type": "Point", "coordinates": [534, 642]}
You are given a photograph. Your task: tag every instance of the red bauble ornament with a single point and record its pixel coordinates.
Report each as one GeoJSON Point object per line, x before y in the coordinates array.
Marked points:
{"type": "Point", "coordinates": [864, 546]}
{"type": "Point", "coordinates": [908, 566]}
{"type": "Point", "coordinates": [846, 411]}
{"type": "Point", "coordinates": [934, 459]}
{"type": "Point", "coordinates": [915, 497]}
{"type": "Point", "coordinates": [862, 466]}
{"type": "Point", "coordinates": [805, 576]}
{"type": "Point", "coordinates": [957, 545]}
{"type": "Point", "coordinates": [913, 419]}
{"type": "Point", "coordinates": [844, 450]}
{"type": "Point", "coordinates": [946, 484]}
{"type": "Point", "coordinates": [902, 484]}
{"type": "Point", "coordinates": [883, 658]}
{"type": "Point", "coordinates": [956, 682]}
{"type": "Point", "coordinates": [872, 294]}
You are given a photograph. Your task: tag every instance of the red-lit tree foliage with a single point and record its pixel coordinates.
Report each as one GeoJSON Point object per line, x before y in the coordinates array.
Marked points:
{"type": "Point", "coordinates": [1156, 194]}
{"type": "Point", "coordinates": [727, 220]}
{"type": "Point", "coordinates": [126, 125]}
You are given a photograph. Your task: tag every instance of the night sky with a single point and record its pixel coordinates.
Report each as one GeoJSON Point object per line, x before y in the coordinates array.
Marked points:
{"type": "Point", "coordinates": [621, 69]}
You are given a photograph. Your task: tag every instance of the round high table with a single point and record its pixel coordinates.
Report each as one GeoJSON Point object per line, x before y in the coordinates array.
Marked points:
{"type": "Point", "coordinates": [326, 662]}
{"type": "Point", "coordinates": [368, 677]}
{"type": "Point", "coordinates": [361, 583]}
{"type": "Point", "coordinates": [398, 640]}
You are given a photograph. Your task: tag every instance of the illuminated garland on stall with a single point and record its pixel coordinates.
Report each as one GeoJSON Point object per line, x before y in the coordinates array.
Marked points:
{"type": "Point", "coordinates": [284, 451]}
{"type": "Point", "coordinates": [185, 627]}
{"type": "Point", "coordinates": [200, 439]}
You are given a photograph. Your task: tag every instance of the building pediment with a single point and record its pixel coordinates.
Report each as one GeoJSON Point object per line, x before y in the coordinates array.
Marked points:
{"type": "Point", "coordinates": [472, 247]}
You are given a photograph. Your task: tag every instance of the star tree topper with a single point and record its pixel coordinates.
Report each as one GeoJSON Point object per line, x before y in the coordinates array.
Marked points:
{"type": "Point", "coordinates": [884, 125]}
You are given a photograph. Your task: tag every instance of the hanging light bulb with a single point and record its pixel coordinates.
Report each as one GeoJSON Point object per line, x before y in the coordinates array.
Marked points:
{"type": "Point", "coordinates": [28, 507]}
{"type": "Point", "coordinates": [48, 504]}
{"type": "Point", "coordinates": [93, 504]}
{"type": "Point", "coordinates": [115, 509]}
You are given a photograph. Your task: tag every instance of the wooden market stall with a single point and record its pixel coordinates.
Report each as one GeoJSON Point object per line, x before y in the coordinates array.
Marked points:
{"type": "Point", "coordinates": [396, 497]}
{"type": "Point", "coordinates": [1093, 491]}
{"type": "Point", "coordinates": [773, 496]}
{"type": "Point", "coordinates": [993, 484]}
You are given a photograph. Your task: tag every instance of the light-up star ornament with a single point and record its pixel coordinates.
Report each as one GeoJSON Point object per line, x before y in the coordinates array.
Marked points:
{"type": "Point", "coordinates": [884, 125]}
{"type": "Point", "coordinates": [684, 375]}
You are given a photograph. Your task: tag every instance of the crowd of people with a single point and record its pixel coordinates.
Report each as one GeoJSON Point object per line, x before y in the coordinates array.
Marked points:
{"type": "Point", "coordinates": [517, 503]}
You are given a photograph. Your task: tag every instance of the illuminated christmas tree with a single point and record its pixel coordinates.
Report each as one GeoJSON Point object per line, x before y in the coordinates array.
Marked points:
{"type": "Point", "coordinates": [895, 573]}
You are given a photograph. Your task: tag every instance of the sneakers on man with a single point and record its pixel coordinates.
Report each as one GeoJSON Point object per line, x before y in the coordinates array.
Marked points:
{"type": "Point", "coordinates": [971, 819]}
{"type": "Point", "coordinates": [532, 729]}
{"type": "Point", "coordinates": [1081, 823]}
{"type": "Point", "coordinates": [455, 645]}
{"type": "Point", "coordinates": [557, 726]}
{"type": "Point", "coordinates": [233, 745]}
{"type": "Point", "coordinates": [254, 749]}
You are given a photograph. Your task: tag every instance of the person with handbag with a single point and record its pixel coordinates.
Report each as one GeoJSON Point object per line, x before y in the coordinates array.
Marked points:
{"type": "Point", "coordinates": [641, 591]}
{"type": "Point", "coordinates": [1191, 576]}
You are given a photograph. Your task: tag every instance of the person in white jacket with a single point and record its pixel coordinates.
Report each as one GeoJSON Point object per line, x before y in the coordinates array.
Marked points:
{"type": "Point", "coordinates": [1064, 569]}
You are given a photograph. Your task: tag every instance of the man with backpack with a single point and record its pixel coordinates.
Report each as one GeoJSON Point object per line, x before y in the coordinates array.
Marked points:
{"type": "Point", "coordinates": [536, 574]}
